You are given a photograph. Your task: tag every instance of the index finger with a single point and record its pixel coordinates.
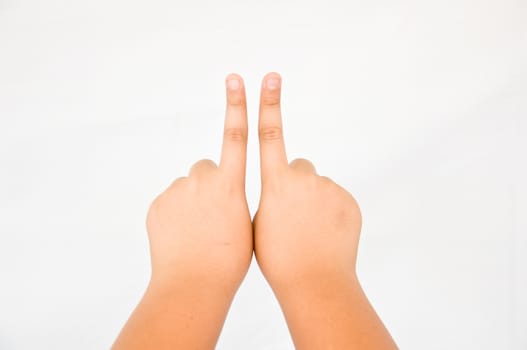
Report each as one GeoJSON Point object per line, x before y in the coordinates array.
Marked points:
{"type": "Point", "coordinates": [234, 149]}
{"type": "Point", "coordinates": [272, 147]}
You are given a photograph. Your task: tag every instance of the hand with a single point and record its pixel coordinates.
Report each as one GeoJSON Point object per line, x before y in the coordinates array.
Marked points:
{"type": "Point", "coordinates": [200, 227]}
{"type": "Point", "coordinates": [307, 227]}
{"type": "Point", "coordinates": [306, 233]}
{"type": "Point", "coordinates": [201, 245]}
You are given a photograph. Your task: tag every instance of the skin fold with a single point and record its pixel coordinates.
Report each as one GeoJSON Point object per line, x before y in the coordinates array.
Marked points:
{"type": "Point", "coordinates": [305, 236]}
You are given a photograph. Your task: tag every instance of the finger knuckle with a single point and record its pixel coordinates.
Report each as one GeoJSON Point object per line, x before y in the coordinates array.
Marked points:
{"type": "Point", "coordinates": [235, 134]}
{"type": "Point", "coordinates": [301, 162]}
{"type": "Point", "coordinates": [177, 182]}
{"type": "Point", "coordinates": [271, 100]}
{"type": "Point", "coordinates": [236, 99]}
{"type": "Point", "coordinates": [270, 133]}
{"type": "Point", "coordinates": [295, 161]}
{"type": "Point", "coordinates": [206, 163]}
{"type": "Point", "coordinates": [154, 204]}
{"type": "Point", "coordinates": [326, 181]}
{"type": "Point", "coordinates": [153, 209]}
{"type": "Point", "coordinates": [202, 167]}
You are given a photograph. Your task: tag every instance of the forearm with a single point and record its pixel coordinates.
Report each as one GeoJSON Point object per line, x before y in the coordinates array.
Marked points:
{"type": "Point", "coordinates": [176, 316]}
{"type": "Point", "coordinates": [332, 314]}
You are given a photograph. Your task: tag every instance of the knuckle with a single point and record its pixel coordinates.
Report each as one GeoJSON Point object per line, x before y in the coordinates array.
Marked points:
{"type": "Point", "coordinates": [295, 161]}
{"type": "Point", "coordinates": [301, 162]}
{"type": "Point", "coordinates": [270, 133]}
{"type": "Point", "coordinates": [326, 180]}
{"type": "Point", "coordinates": [271, 100]}
{"type": "Point", "coordinates": [352, 211]}
{"type": "Point", "coordinates": [202, 166]}
{"type": "Point", "coordinates": [175, 187]}
{"type": "Point", "coordinates": [235, 99]}
{"type": "Point", "coordinates": [155, 204]}
{"type": "Point", "coordinates": [235, 134]}
{"type": "Point", "coordinates": [303, 165]}
{"type": "Point", "coordinates": [177, 182]}
{"type": "Point", "coordinates": [205, 163]}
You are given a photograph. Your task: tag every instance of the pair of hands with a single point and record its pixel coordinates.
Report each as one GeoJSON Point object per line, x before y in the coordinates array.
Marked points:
{"type": "Point", "coordinates": [306, 227]}
{"type": "Point", "coordinates": [304, 235]}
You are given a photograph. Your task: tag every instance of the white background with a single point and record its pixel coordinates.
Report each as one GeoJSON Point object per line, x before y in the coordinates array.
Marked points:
{"type": "Point", "coordinates": [417, 107]}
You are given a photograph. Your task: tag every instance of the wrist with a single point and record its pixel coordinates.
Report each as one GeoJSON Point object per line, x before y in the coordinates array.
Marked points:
{"type": "Point", "coordinates": [323, 286]}
{"type": "Point", "coordinates": [200, 285]}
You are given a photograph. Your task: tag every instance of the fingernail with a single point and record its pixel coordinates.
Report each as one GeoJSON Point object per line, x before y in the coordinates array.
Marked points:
{"type": "Point", "coordinates": [233, 84]}
{"type": "Point", "coordinates": [273, 83]}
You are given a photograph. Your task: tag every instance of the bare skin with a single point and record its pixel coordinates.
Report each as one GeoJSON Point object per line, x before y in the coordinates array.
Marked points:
{"type": "Point", "coordinates": [306, 233]}
{"type": "Point", "coordinates": [201, 246]}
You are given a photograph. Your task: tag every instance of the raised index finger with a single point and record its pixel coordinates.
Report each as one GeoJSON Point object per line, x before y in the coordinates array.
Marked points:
{"type": "Point", "coordinates": [272, 148]}
{"type": "Point", "coordinates": [234, 149]}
